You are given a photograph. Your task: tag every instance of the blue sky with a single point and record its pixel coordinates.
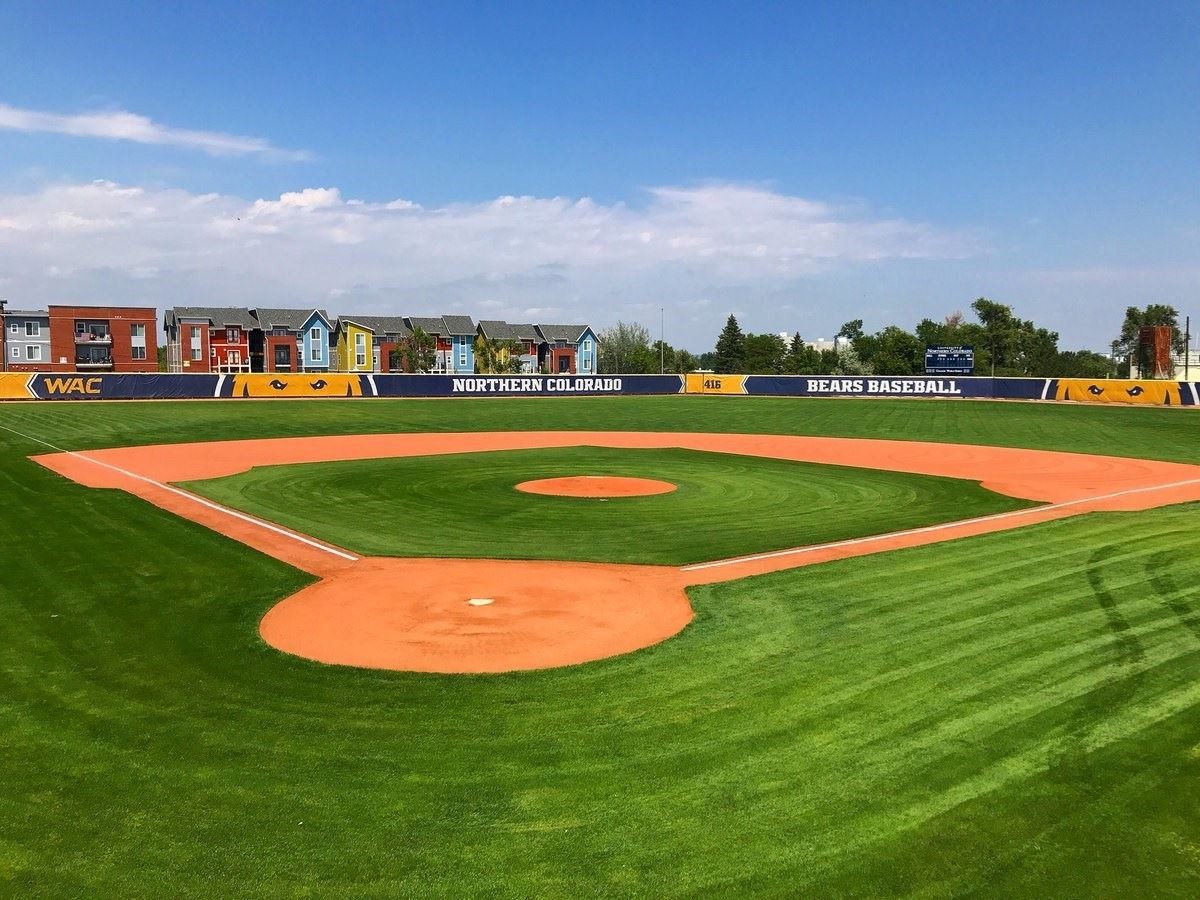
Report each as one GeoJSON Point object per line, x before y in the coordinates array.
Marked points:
{"type": "Point", "coordinates": [798, 165]}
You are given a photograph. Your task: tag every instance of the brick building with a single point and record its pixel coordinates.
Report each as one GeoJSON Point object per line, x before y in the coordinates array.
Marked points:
{"type": "Point", "coordinates": [103, 339]}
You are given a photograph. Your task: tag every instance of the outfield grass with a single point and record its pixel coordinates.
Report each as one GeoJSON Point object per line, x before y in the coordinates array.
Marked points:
{"type": "Point", "coordinates": [1010, 714]}
{"type": "Point", "coordinates": [466, 504]}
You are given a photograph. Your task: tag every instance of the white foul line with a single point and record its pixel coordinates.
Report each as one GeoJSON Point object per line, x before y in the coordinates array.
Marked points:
{"type": "Point", "coordinates": [194, 498]}
{"type": "Point", "coordinates": [994, 517]}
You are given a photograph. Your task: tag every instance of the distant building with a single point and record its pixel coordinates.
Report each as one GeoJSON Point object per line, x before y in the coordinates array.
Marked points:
{"type": "Point", "coordinates": [568, 349]}
{"type": "Point", "coordinates": [210, 339]}
{"type": "Point", "coordinates": [293, 340]}
{"type": "Point", "coordinates": [26, 340]}
{"type": "Point", "coordinates": [455, 342]}
{"type": "Point", "coordinates": [1187, 365]}
{"type": "Point", "coordinates": [103, 339]}
{"type": "Point", "coordinates": [526, 335]}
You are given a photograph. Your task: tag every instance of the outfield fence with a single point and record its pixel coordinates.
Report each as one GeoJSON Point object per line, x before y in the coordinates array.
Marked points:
{"type": "Point", "coordinates": [91, 386]}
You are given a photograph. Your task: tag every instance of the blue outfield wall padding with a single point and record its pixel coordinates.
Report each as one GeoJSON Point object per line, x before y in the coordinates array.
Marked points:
{"type": "Point", "coordinates": [873, 386]}
{"type": "Point", "coordinates": [141, 386]}
{"type": "Point", "coordinates": [161, 386]}
{"type": "Point", "coordinates": [524, 385]}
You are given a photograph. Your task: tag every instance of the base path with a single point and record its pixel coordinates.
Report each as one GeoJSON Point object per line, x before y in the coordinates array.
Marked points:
{"type": "Point", "coordinates": [434, 615]}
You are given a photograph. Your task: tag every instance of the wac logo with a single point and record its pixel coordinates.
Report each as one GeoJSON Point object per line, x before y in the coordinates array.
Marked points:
{"type": "Point", "coordinates": [76, 385]}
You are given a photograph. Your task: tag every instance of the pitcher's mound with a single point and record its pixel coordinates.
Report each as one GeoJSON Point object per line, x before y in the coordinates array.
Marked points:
{"type": "Point", "coordinates": [596, 486]}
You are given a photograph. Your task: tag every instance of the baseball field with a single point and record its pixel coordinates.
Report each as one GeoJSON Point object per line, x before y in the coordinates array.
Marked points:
{"type": "Point", "coordinates": [599, 646]}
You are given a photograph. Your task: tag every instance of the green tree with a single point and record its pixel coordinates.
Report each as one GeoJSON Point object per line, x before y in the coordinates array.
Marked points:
{"type": "Point", "coordinates": [852, 330]}
{"type": "Point", "coordinates": [801, 359]}
{"type": "Point", "coordinates": [497, 357]}
{"type": "Point", "coordinates": [1128, 343]}
{"type": "Point", "coordinates": [1083, 364]}
{"type": "Point", "coordinates": [1036, 351]}
{"type": "Point", "coordinates": [999, 330]}
{"type": "Point", "coordinates": [895, 352]}
{"type": "Point", "coordinates": [764, 354]}
{"type": "Point", "coordinates": [415, 353]}
{"type": "Point", "coordinates": [847, 362]}
{"type": "Point", "coordinates": [731, 349]}
{"type": "Point", "coordinates": [625, 349]}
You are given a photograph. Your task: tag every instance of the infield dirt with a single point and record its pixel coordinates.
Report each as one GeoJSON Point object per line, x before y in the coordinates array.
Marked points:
{"type": "Point", "coordinates": [413, 615]}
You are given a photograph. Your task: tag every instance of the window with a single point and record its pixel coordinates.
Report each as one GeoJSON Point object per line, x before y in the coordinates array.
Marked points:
{"type": "Point", "coordinates": [315, 342]}
{"type": "Point", "coordinates": [462, 356]}
{"type": "Point", "coordinates": [137, 341]}
{"type": "Point", "coordinates": [235, 357]}
{"type": "Point", "coordinates": [232, 335]}
{"type": "Point", "coordinates": [196, 342]}
{"type": "Point", "coordinates": [14, 328]}
{"type": "Point", "coordinates": [16, 352]}
{"type": "Point", "coordinates": [33, 352]}
{"type": "Point", "coordinates": [279, 332]}
{"type": "Point", "coordinates": [360, 349]}
{"type": "Point", "coordinates": [283, 357]}
{"type": "Point", "coordinates": [587, 345]}
{"type": "Point", "coordinates": [33, 329]}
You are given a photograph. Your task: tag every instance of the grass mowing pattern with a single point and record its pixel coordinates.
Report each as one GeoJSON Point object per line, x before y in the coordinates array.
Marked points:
{"type": "Point", "coordinates": [465, 504]}
{"type": "Point", "coordinates": [1010, 714]}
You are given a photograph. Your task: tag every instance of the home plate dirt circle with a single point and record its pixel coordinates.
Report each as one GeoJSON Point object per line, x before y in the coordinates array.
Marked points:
{"type": "Point", "coordinates": [596, 486]}
{"type": "Point", "coordinates": [426, 615]}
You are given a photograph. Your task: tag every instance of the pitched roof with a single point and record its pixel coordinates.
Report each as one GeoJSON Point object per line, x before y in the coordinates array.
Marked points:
{"type": "Point", "coordinates": [527, 332]}
{"type": "Point", "coordinates": [427, 324]}
{"type": "Point", "coordinates": [496, 330]}
{"type": "Point", "coordinates": [286, 318]}
{"type": "Point", "coordinates": [382, 324]}
{"type": "Point", "coordinates": [216, 315]}
{"type": "Point", "coordinates": [570, 333]}
{"type": "Point", "coordinates": [459, 325]}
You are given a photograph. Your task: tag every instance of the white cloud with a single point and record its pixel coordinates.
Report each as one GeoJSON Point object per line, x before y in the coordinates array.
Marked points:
{"type": "Point", "coordinates": [506, 257]}
{"type": "Point", "coordinates": [118, 125]}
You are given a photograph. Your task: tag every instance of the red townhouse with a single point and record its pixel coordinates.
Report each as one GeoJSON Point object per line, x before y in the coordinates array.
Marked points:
{"type": "Point", "coordinates": [209, 338]}
{"type": "Point", "coordinates": [103, 339]}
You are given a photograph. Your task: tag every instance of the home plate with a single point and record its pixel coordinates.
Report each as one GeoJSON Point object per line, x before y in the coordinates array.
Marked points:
{"type": "Point", "coordinates": [481, 601]}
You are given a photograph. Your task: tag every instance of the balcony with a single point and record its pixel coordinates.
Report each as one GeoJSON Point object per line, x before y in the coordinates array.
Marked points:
{"type": "Point", "coordinates": [93, 364]}
{"type": "Point", "coordinates": [91, 337]}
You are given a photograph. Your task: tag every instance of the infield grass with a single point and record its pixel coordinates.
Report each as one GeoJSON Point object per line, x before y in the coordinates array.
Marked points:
{"type": "Point", "coordinates": [1012, 714]}
{"type": "Point", "coordinates": [467, 505]}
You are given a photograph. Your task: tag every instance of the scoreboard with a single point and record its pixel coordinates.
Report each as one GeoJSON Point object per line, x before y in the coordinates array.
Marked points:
{"type": "Point", "coordinates": [949, 360]}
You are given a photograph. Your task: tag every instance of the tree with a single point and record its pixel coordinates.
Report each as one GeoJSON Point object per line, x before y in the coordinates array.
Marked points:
{"type": "Point", "coordinates": [625, 348]}
{"type": "Point", "coordinates": [1128, 343]}
{"type": "Point", "coordinates": [415, 353]}
{"type": "Point", "coordinates": [1036, 351]}
{"type": "Point", "coordinates": [847, 362]}
{"type": "Point", "coordinates": [801, 359]}
{"type": "Point", "coordinates": [731, 349]}
{"type": "Point", "coordinates": [764, 354]}
{"type": "Point", "coordinates": [162, 359]}
{"type": "Point", "coordinates": [497, 357]}
{"type": "Point", "coordinates": [852, 330]}
{"type": "Point", "coordinates": [998, 330]}
{"type": "Point", "coordinates": [1083, 364]}
{"type": "Point", "coordinates": [894, 352]}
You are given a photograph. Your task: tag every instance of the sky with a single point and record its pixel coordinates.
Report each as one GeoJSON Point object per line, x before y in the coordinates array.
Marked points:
{"type": "Point", "coordinates": [797, 165]}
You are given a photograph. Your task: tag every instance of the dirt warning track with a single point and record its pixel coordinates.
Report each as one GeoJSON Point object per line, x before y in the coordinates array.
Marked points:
{"type": "Point", "coordinates": [460, 616]}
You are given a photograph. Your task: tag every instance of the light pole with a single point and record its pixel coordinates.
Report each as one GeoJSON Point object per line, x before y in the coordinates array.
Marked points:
{"type": "Point", "coordinates": [662, 342]}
